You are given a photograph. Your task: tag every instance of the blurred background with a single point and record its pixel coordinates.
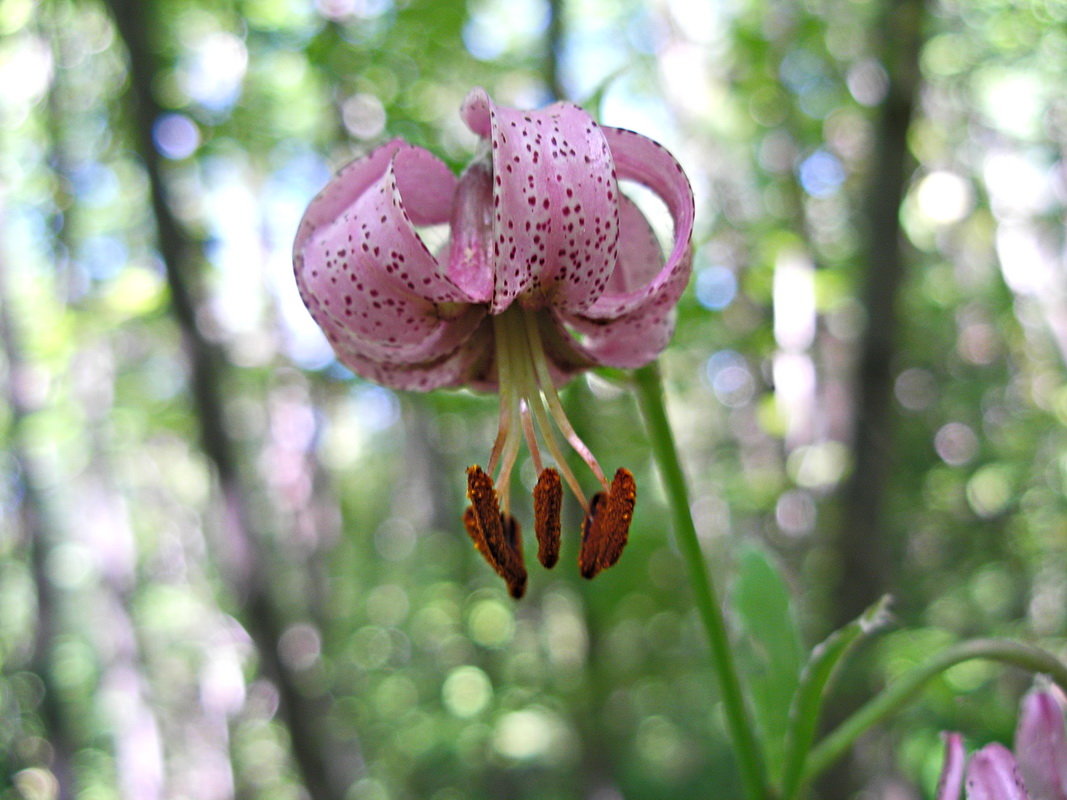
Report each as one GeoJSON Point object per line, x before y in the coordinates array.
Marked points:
{"type": "Point", "coordinates": [230, 569]}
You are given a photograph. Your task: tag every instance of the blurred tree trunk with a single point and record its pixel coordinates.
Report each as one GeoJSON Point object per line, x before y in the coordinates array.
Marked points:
{"type": "Point", "coordinates": [863, 543]}
{"type": "Point", "coordinates": [321, 761]}
{"type": "Point", "coordinates": [863, 539]}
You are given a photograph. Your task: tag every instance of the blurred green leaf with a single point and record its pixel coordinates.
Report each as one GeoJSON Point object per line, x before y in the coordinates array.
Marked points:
{"type": "Point", "coordinates": [823, 664]}
{"type": "Point", "coordinates": [771, 648]}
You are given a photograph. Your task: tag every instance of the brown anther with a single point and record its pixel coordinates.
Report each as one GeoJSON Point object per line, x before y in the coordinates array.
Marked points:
{"type": "Point", "coordinates": [588, 552]}
{"type": "Point", "coordinates": [547, 502]}
{"type": "Point", "coordinates": [607, 525]}
{"type": "Point", "coordinates": [516, 575]}
{"type": "Point", "coordinates": [474, 530]}
{"type": "Point", "coordinates": [496, 536]}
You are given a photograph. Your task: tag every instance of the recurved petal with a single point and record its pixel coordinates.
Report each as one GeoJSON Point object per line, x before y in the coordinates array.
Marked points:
{"type": "Point", "coordinates": [369, 209]}
{"type": "Point", "coordinates": [555, 200]}
{"type": "Point", "coordinates": [951, 781]}
{"type": "Point", "coordinates": [1041, 748]}
{"type": "Point", "coordinates": [442, 338]}
{"type": "Point", "coordinates": [362, 270]}
{"type": "Point", "coordinates": [427, 184]}
{"type": "Point", "coordinates": [640, 253]}
{"type": "Point", "coordinates": [470, 248]}
{"type": "Point", "coordinates": [633, 339]}
{"type": "Point", "coordinates": [992, 775]}
{"type": "Point", "coordinates": [468, 363]}
{"type": "Point", "coordinates": [640, 159]}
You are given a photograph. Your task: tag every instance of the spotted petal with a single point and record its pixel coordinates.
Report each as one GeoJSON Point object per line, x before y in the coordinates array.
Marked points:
{"type": "Point", "coordinates": [948, 787]}
{"type": "Point", "coordinates": [468, 364]}
{"type": "Point", "coordinates": [640, 159]}
{"type": "Point", "coordinates": [992, 775]}
{"type": "Point", "coordinates": [441, 339]}
{"type": "Point", "coordinates": [629, 341]}
{"type": "Point", "coordinates": [470, 248]}
{"type": "Point", "coordinates": [632, 339]}
{"type": "Point", "coordinates": [555, 200]}
{"type": "Point", "coordinates": [364, 273]}
{"type": "Point", "coordinates": [1041, 748]}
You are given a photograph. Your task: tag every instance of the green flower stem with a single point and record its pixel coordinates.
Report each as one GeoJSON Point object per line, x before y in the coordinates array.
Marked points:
{"type": "Point", "coordinates": [905, 689]}
{"type": "Point", "coordinates": [650, 398]}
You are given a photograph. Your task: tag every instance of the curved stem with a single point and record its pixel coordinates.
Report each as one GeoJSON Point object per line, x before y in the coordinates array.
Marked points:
{"type": "Point", "coordinates": [750, 762]}
{"type": "Point", "coordinates": [907, 687]}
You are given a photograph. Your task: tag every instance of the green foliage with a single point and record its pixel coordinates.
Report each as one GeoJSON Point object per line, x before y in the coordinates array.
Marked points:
{"type": "Point", "coordinates": [774, 652]}
{"type": "Point", "coordinates": [824, 663]}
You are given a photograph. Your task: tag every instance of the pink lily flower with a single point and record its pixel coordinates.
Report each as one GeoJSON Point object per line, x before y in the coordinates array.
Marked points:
{"type": "Point", "coordinates": [1036, 771]}
{"type": "Point", "coordinates": [549, 270]}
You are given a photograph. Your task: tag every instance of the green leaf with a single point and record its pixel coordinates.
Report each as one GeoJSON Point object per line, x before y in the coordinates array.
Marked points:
{"type": "Point", "coordinates": [815, 681]}
{"type": "Point", "coordinates": [772, 653]}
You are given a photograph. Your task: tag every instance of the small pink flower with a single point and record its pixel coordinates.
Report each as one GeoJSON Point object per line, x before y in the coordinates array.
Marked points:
{"type": "Point", "coordinates": [549, 270]}
{"type": "Point", "coordinates": [1037, 770]}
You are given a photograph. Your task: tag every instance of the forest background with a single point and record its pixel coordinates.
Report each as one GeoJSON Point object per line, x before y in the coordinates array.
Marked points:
{"type": "Point", "coordinates": [228, 568]}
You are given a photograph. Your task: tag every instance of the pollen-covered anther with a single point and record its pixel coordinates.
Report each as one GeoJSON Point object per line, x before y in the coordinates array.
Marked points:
{"type": "Point", "coordinates": [474, 530]}
{"type": "Point", "coordinates": [607, 525]}
{"type": "Point", "coordinates": [515, 574]}
{"type": "Point", "coordinates": [547, 502]}
{"type": "Point", "coordinates": [496, 536]}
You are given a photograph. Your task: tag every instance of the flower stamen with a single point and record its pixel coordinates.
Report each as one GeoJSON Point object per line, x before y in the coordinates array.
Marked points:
{"type": "Point", "coordinates": [545, 426]}
{"type": "Point", "coordinates": [510, 374]}
{"type": "Point", "coordinates": [531, 406]}
{"type": "Point", "coordinates": [496, 535]}
{"type": "Point", "coordinates": [547, 503]}
{"type": "Point", "coordinates": [506, 382]}
{"type": "Point", "coordinates": [531, 436]}
{"type": "Point", "coordinates": [555, 406]}
{"type": "Point", "coordinates": [607, 525]}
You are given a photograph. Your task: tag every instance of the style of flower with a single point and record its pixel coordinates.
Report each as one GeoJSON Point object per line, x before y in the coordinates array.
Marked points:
{"type": "Point", "coordinates": [1036, 771]}
{"type": "Point", "coordinates": [549, 270]}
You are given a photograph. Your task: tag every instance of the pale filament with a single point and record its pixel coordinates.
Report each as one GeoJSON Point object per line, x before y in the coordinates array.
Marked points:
{"type": "Point", "coordinates": [506, 383]}
{"type": "Point", "coordinates": [544, 379]}
{"type": "Point", "coordinates": [529, 404]}
{"type": "Point", "coordinates": [510, 368]}
{"type": "Point", "coordinates": [531, 437]}
{"type": "Point", "coordinates": [536, 405]}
